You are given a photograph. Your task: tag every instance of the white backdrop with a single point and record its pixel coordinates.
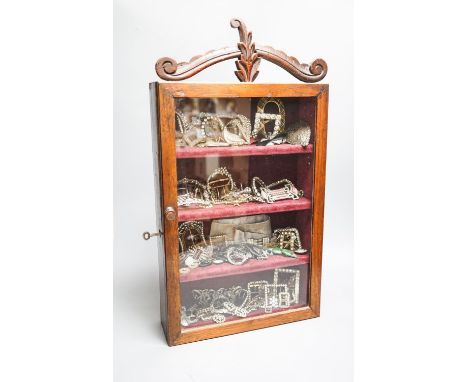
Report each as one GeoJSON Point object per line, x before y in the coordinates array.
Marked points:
{"type": "Point", "coordinates": [319, 349]}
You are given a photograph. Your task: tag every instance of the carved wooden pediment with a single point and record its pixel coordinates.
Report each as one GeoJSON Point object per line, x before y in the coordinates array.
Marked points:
{"type": "Point", "coordinates": [248, 56]}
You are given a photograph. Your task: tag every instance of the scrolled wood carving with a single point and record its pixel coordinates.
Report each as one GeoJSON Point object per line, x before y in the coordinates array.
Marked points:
{"type": "Point", "coordinates": [169, 69]}
{"type": "Point", "coordinates": [314, 72]}
{"type": "Point", "coordinates": [248, 59]}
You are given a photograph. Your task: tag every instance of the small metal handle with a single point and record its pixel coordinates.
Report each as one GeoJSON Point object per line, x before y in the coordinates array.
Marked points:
{"type": "Point", "coordinates": [147, 235]}
{"type": "Point", "coordinates": [170, 213]}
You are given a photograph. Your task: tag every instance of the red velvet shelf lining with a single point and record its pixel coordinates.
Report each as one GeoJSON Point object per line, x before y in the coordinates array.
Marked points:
{"type": "Point", "coordinates": [247, 150]}
{"type": "Point", "coordinates": [256, 313]}
{"type": "Point", "coordinates": [251, 208]}
{"type": "Point", "coordinates": [226, 269]}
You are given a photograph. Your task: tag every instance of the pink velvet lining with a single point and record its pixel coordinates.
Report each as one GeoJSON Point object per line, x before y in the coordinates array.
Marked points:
{"type": "Point", "coordinates": [246, 150]}
{"type": "Point", "coordinates": [256, 313]}
{"type": "Point", "coordinates": [229, 280]}
{"type": "Point", "coordinates": [251, 208]}
{"type": "Point", "coordinates": [221, 270]}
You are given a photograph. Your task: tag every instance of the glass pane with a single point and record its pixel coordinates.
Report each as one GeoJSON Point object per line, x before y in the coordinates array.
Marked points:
{"type": "Point", "coordinates": [244, 169]}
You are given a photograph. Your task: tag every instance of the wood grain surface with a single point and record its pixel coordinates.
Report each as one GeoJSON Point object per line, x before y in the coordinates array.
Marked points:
{"type": "Point", "coordinates": [170, 296]}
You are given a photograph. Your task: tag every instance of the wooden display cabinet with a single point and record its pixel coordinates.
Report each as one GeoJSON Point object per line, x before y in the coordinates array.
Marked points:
{"type": "Point", "coordinates": [239, 292]}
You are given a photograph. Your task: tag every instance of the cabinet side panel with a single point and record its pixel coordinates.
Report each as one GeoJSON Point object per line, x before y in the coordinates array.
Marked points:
{"type": "Point", "coordinates": [319, 196]}
{"type": "Point", "coordinates": [158, 203]}
{"type": "Point", "coordinates": [167, 130]}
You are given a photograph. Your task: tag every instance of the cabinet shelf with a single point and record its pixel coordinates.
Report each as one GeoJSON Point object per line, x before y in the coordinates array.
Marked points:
{"type": "Point", "coordinates": [256, 313]}
{"type": "Point", "coordinates": [247, 150]}
{"type": "Point", "coordinates": [226, 269]}
{"type": "Point", "coordinates": [251, 208]}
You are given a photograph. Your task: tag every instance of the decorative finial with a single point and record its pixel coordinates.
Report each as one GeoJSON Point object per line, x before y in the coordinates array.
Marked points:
{"type": "Point", "coordinates": [248, 62]}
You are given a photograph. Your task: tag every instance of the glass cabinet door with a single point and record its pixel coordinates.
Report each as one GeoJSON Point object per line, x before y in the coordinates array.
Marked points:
{"type": "Point", "coordinates": [244, 197]}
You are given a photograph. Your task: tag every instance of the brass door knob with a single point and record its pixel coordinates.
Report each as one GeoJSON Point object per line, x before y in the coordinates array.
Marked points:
{"type": "Point", "coordinates": [170, 213]}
